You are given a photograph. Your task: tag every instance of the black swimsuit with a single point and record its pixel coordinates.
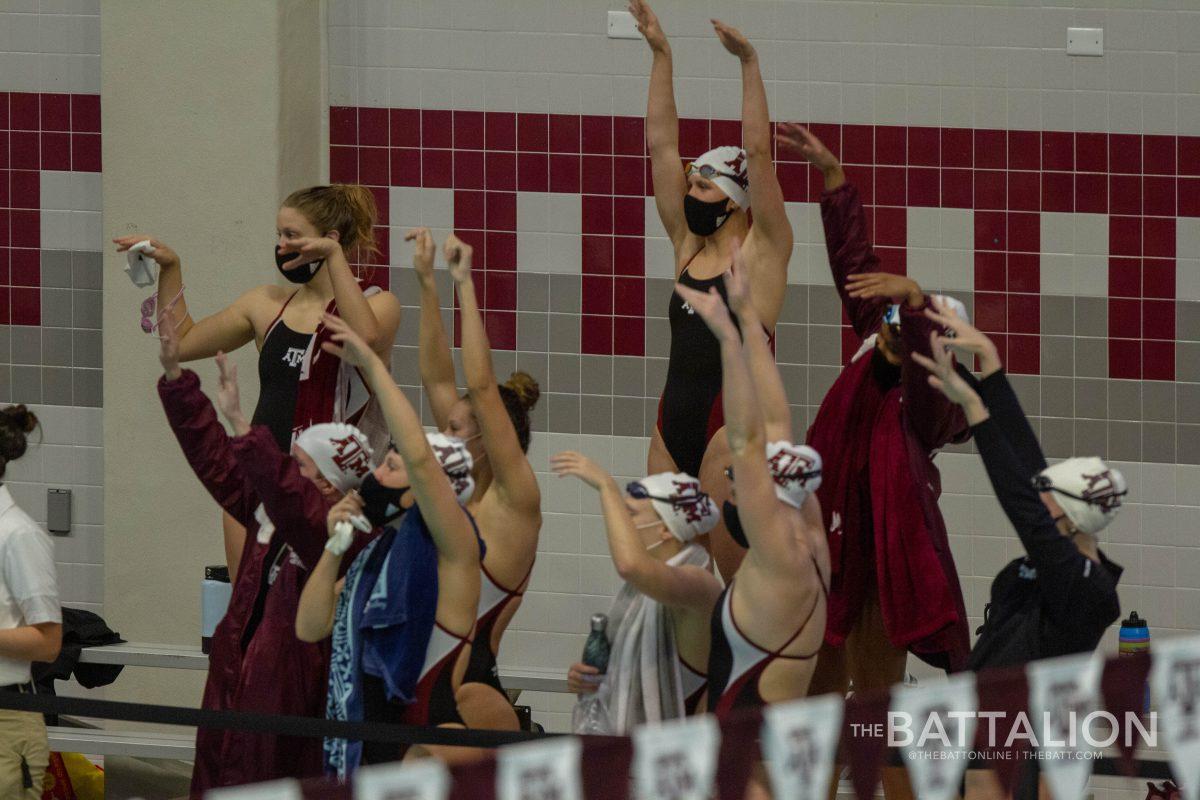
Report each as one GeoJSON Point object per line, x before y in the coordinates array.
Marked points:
{"type": "Point", "coordinates": [279, 364]}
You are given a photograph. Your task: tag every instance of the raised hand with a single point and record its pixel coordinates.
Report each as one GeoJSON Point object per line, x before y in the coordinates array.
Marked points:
{"type": "Point", "coordinates": [458, 257]}
{"type": "Point", "coordinates": [344, 510]}
{"type": "Point", "coordinates": [346, 345]}
{"type": "Point", "coordinates": [942, 374]}
{"type": "Point", "coordinates": [736, 285]}
{"type": "Point", "coordinates": [962, 337]}
{"type": "Point", "coordinates": [897, 288]}
{"type": "Point", "coordinates": [647, 25]}
{"type": "Point", "coordinates": [570, 463]}
{"type": "Point", "coordinates": [309, 248]}
{"type": "Point", "coordinates": [712, 310]}
{"type": "Point", "coordinates": [800, 139]}
{"type": "Point", "coordinates": [424, 251]}
{"type": "Point", "coordinates": [168, 346]}
{"type": "Point", "coordinates": [229, 401]}
{"type": "Point", "coordinates": [163, 255]}
{"type": "Point", "coordinates": [733, 41]}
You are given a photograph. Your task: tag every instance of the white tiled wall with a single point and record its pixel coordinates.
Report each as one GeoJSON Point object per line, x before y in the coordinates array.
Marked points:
{"type": "Point", "coordinates": [50, 46]}
{"type": "Point", "coordinates": [70, 204]}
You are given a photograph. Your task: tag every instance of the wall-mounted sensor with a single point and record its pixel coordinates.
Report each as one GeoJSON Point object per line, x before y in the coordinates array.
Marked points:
{"type": "Point", "coordinates": [621, 25]}
{"type": "Point", "coordinates": [1085, 41]}
{"type": "Point", "coordinates": [58, 510]}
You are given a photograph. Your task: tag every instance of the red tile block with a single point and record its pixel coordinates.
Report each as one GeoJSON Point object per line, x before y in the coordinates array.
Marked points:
{"type": "Point", "coordinates": [890, 189]}
{"type": "Point", "coordinates": [596, 134]}
{"type": "Point", "coordinates": [468, 169]}
{"type": "Point", "coordinates": [957, 188]}
{"type": "Point", "coordinates": [1058, 150]}
{"type": "Point", "coordinates": [1189, 197]}
{"type": "Point", "coordinates": [500, 171]}
{"type": "Point", "coordinates": [406, 167]}
{"type": "Point", "coordinates": [3, 149]}
{"type": "Point", "coordinates": [85, 152]}
{"type": "Point", "coordinates": [564, 173]}
{"type": "Point", "coordinates": [56, 112]}
{"type": "Point", "coordinates": [1091, 152]}
{"type": "Point", "coordinates": [3, 111]}
{"type": "Point", "coordinates": [991, 311]}
{"type": "Point", "coordinates": [1058, 191]}
{"type": "Point", "coordinates": [1024, 314]}
{"type": "Point", "coordinates": [1024, 232]}
{"type": "Point", "coordinates": [501, 291]}
{"type": "Point", "coordinates": [991, 149]}
{"type": "Point", "coordinates": [1158, 278]}
{"type": "Point", "coordinates": [26, 228]}
{"type": "Point", "coordinates": [923, 187]}
{"type": "Point", "coordinates": [858, 144]}
{"type": "Point", "coordinates": [437, 168]}
{"type": "Point", "coordinates": [470, 210]}
{"type": "Point", "coordinates": [991, 189]}
{"type": "Point", "coordinates": [1091, 193]}
{"type": "Point", "coordinates": [831, 136]}
{"type": "Point", "coordinates": [1124, 277]}
{"type": "Point", "coordinates": [500, 130]}
{"type": "Point", "coordinates": [892, 259]}
{"type": "Point", "coordinates": [629, 136]}
{"type": "Point", "coordinates": [1024, 191]}
{"type": "Point", "coordinates": [629, 175]}
{"type": "Point", "coordinates": [1158, 361]}
{"type": "Point", "coordinates": [725, 132]}
{"type": "Point", "coordinates": [793, 180]}
{"type": "Point", "coordinates": [1158, 155]}
{"type": "Point", "coordinates": [1125, 318]}
{"type": "Point", "coordinates": [891, 144]}
{"type": "Point", "coordinates": [564, 133]}
{"type": "Point", "coordinates": [533, 172]}
{"type": "Point", "coordinates": [629, 256]}
{"type": "Point", "coordinates": [990, 272]}
{"type": "Point", "coordinates": [990, 233]}
{"type": "Point", "coordinates": [597, 174]}
{"type": "Point", "coordinates": [26, 306]}
{"type": "Point", "coordinates": [693, 137]}
{"type": "Point", "coordinates": [595, 335]}
{"type": "Point", "coordinates": [374, 127]}
{"type": "Point", "coordinates": [501, 212]}
{"type": "Point", "coordinates": [629, 216]}
{"type": "Point", "coordinates": [1158, 319]}
{"type": "Point", "coordinates": [891, 226]}
{"type": "Point", "coordinates": [1024, 272]}
{"type": "Point", "coordinates": [1125, 153]}
{"type": "Point", "coordinates": [629, 297]}
{"type": "Point", "coordinates": [501, 252]}
{"type": "Point", "coordinates": [597, 211]}
{"type": "Point", "coordinates": [383, 203]}
{"type": "Point", "coordinates": [437, 129]}
{"type": "Point", "coordinates": [1024, 150]}
{"type": "Point", "coordinates": [924, 147]}
{"type": "Point", "coordinates": [25, 267]}
{"type": "Point", "coordinates": [501, 329]}
{"type": "Point", "coordinates": [343, 125]}
{"type": "Point", "coordinates": [4, 196]}
{"type": "Point", "coordinates": [1189, 155]}
{"type": "Point", "coordinates": [24, 150]}
{"type": "Point", "coordinates": [1158, 195]}
{"type": "Point", "coordinates": [373, 167]}
{"type": "Point", "coordinates": [26, 188]}
{"type": "Point", "coordinates": [1158, 237]}
{"type": "Point", "coordinates": [816, 184]}
{"type": "Point", "coordinates": [533, 133]}
{"type": "Point", "coordinates": [1023, 357]}
{"type": "Point", "coordinates": [404, 127]}
{"type": "Point", "coordinates": [1125, 359]}
{"type": "Point", "coordinates": [85, 113]}
{"type": "Point", "coordinates": [343, 164]}
{"type": "Point", "coordinates": [468, 130]}
{"type": "Point", "coordinates": [958, 145]}
{"type": "Point", "coordinates": [5, 230]}
{"type": "Point", "coordinates": [5, 319]}
{"type": "Point", "coordinates": [24, 111]}
{"type": "Point", "coordinates": [629, 336]}
{"type": "Point", "coordinates": [1125, 236]}
{"type": "Point", "coordinates": [1125, 194]}
{"type": "Point", "coordinates": [597, 294]}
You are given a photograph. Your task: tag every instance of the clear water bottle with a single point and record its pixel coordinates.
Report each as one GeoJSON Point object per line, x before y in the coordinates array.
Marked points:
{"type": "Point", "coordinates": [591, 710]}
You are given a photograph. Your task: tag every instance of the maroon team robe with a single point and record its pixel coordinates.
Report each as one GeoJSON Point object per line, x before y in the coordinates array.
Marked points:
{"type": "Point", "coordinates": [880, 487]}
{"type": "Point", "coordinates": [256, 662]}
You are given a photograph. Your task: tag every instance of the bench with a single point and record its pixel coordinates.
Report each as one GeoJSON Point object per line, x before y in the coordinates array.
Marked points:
{"type": "Point", "coordinates": [138, 744]}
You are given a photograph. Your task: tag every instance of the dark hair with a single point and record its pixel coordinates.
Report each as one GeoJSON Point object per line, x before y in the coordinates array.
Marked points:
{"type": "Point", "coordinates": [16, 422]}
{"type": "Point", "coordinates": [346, 208]}
{"type": "Point", "coordinates": [520, 394]}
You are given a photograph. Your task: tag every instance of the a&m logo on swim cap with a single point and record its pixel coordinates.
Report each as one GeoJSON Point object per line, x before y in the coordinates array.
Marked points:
{"type": "Point", "coordinates": [456, 462]}
{"type": "Point", "coordinates": [350, 455]}
{"type": "Point", "coordinates": [796, 470]}
{"type": "Point", "coordinates": [691, 501]}
{"type": "Point", "coordinates": [1101, 488]}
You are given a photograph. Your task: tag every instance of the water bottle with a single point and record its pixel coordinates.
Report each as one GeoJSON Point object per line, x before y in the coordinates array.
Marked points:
{"type": "Point", "coordinates": [1135, 638]}
{"type": "Point", "coordinates": [591, 711]}
{"type": "Point", "coordinates": [215, 591]}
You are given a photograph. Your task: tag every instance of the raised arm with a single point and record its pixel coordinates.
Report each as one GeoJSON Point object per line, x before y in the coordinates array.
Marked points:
{"type": "Point", "coordinates": [683, 587]}
{"type": "Point", "coordinates": [433, 353]}
{"type": "Point", "coordinates": [318, 599]}
{"type": "Point", "coordinates": [450, 527]}
{"type": "Point", "coordinates": [513, 475]}
{"type": "Point", "coordinates": [935, 420]}
{"type": "Point", "coordinates": [226, 330]}
{"type": "Point", "coordinates": [662, 129]}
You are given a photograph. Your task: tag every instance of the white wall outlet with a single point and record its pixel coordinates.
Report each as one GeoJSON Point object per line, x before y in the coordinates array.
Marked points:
{"type": "Point", "coordinates": [1085, 41]}
{"type": "Point", "coordinates": [621, 25]}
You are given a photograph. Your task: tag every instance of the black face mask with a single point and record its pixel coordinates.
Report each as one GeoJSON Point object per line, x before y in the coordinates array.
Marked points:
{"type": "Point", "coordinates": [300, 274]}
{"type": "Point", "coordinates": [703, 218]}
{"type": "Point", "coordinates": [733, 524]}
{"type": "Point", "coordinates": [381, 504]}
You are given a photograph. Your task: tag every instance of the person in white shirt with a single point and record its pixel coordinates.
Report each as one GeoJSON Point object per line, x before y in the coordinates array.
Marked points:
{"type": "Point", "coordinates": [30, 619]}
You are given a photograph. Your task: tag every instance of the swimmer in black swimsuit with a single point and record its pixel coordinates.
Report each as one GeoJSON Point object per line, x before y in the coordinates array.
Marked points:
{"type": "Point", "coordinates": [704, 210]}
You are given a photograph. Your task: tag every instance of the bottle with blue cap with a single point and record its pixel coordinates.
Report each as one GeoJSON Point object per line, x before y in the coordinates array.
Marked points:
{"type": "Point", "coordinates": [1135, 639]}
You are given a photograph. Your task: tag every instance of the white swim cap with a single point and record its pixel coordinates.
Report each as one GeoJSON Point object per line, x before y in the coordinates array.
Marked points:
{"type": "Point", "coordinates": [1088, 490]}
{"type": "Point", "coordinates": [728, 165]}
{"type": "Point", "coordinates": [677, 499]}
{"type": "Point", "coordinates": [341, 452]}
